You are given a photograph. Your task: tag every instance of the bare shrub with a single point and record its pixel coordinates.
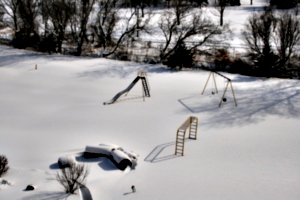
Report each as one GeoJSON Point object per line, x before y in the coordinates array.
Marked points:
{"type": "Point", "coordinates": [73, 177]}
{"type": "Point", "coordinates": [3, 165]}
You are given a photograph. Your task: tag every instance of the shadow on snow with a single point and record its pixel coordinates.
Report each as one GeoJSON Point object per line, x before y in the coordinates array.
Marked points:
{"type": "Point", "coordinates": [255, 103]}
{"type": "Point", "coordinates": [155, 155]}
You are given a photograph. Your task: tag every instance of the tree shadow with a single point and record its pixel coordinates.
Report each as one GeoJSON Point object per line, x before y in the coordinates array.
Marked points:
{"type": "Point", "coordinates": [256, 102]}
{"type": "Point", "coordinates": [121, 69]}
{"type": "Point", "coordinates": [10, 56]}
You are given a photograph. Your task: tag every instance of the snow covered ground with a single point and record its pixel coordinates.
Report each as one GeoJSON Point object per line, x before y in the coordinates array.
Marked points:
{"type": "Point", "coordinates": [246, 152]}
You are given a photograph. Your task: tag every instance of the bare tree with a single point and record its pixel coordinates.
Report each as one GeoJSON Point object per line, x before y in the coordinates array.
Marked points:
{"type": "Point", "coordinates": [257, 35]}
{"type": "Point", "coordinates": [272, 39]}
{"type": "Point", "coordinates": [22, 20]}
{"type": "Point", "coordinates": [193, 26]}
{"type": "Point", "coordinates": [287, 36]}
{"type": "Point", "coordinates": [10, 7]}
{"type": "Point", "coordinates": [168, 25]}
{"type": "Point", "coordinates": [111, 21]}
{"type": "Point", "coordinates": [180, 9]}
{"type": "Point", "coordinates": [105, 23]}
{"type": "Point", "coordinates": [2, 12]}
{"type": "Point", "coordinates": [220, 6]}
{"type": "Point", "coordinates": [79, 23]}
{"type": "Point", "coordinates": [71, 178]}
{"type": "Point", "coordinates": [57, 13]}
{"type": "Point", "coordinates": [28, 11]}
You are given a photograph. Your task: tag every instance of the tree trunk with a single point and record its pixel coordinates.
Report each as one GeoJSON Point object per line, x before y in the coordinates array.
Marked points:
{"type": "Point", "coordinates": [221, 17]}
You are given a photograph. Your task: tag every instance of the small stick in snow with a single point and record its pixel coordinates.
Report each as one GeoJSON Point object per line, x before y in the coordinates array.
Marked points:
{"type": "Point", "coordinates": [133, 189]}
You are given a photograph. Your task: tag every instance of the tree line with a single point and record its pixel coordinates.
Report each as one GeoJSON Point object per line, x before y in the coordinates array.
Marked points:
{"type": "Point", "coordinates": [49, 25]}
{"type": "Point", "coordinates": [115, 26]}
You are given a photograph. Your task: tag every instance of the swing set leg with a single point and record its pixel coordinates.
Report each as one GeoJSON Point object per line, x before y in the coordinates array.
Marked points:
{"type": "Point", "coordinates": [206, 83]}
{"type": "Point", "coordinates": [213, 76]}
{"type": "Point", "coordinates": [224, 94]}
{"type": "Point", "coordinates": [233, 94]}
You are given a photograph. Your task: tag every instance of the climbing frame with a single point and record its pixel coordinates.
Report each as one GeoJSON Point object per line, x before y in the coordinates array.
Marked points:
{"type": "Point", "coordinates": [190, 124]}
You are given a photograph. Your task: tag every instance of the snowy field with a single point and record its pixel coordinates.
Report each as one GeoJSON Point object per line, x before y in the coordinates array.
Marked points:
{"type": "Point", "coordinates": [249, 151]}
{"type": "Point", "coordinates": [246, 152]}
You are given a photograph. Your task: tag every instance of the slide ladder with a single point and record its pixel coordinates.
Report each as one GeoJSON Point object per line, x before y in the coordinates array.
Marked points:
{"type": "Point", "coordinates": [192, 124]}
{"type": "Point", "coordinates": [145, 87]}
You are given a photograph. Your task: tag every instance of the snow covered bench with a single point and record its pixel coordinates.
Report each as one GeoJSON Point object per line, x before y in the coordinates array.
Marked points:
{"type": "Point", "coordinates": [121, 159]}
{"type": "Point", "coordinates": [116, 154]}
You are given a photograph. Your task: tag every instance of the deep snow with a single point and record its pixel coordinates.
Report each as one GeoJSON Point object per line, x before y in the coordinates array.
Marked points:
{"type": "Point", "coordinates": [246, 152]}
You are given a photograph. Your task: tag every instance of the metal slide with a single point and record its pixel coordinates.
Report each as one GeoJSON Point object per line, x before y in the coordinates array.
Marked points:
{"type": "Point", "coordinates": [123, 91]}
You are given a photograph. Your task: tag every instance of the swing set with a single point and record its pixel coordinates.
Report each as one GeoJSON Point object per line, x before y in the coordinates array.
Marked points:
{"type": "Point", "coordinates": [223, 99]}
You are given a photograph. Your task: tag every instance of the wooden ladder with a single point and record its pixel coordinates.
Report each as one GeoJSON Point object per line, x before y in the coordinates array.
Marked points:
{"type": "Point", "coordinates": [193, 128]}
{"type": "Point", "coordinates": [179, 142]}
{"type": "Point", "coordinates": [192, 124]}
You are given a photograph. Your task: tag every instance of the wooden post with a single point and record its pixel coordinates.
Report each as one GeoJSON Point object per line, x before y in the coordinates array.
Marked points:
{"type": "Point", "coordinates": [233, 94]}
{"type": "Point", "coordinates": [214, 81]}
{"type": "Point", "coordinates": [206, 82]}
{"type": "Point", "coordinates": [36, 67]}
{"type": "Point", "coordinates": [224, 93]}
{"type": "Point", "coordinates": [229, 82]}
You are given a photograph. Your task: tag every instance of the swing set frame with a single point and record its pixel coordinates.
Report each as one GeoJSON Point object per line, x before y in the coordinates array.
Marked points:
{"type": "Point", "coordinates": [212, 74]}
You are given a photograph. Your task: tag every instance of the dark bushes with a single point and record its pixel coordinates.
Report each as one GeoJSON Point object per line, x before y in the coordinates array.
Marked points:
{"type": "Point", "coordinates": [181, 57]}
{"type": "Point", "coordinates": [25, 38]}
{"type": "Point", "coordinates": [286, 4]}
